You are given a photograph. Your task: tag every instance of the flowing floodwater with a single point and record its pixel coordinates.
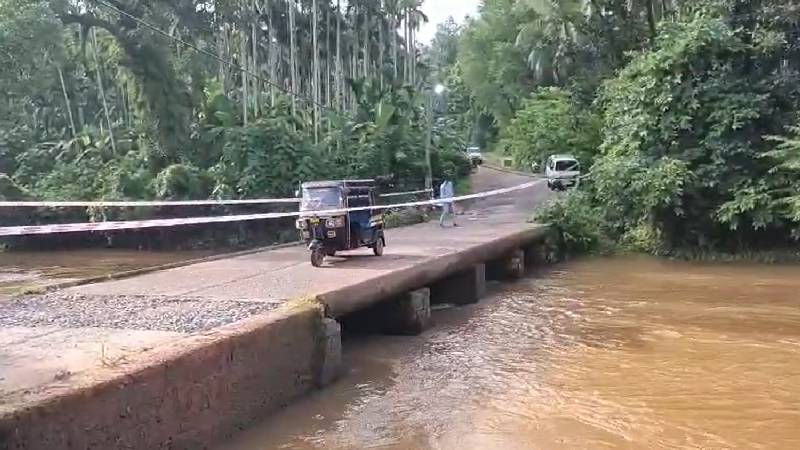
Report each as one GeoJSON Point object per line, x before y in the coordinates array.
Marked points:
{"type": "Point", "coordinates": [604, 353]}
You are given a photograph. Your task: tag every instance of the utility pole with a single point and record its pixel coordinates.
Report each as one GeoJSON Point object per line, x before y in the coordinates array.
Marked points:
{"type": "Point", "coordinates": [437, 91]}
{"type": "Point", "coordinates": [428, 143]}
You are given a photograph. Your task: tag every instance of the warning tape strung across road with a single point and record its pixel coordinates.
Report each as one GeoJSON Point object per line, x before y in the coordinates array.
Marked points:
{"type": "Point", "coordinates": [131, 204]}
{"type": "Point", "coordinates": [124, 204]}
{"type": "Point", "coordinates": [164, 223]}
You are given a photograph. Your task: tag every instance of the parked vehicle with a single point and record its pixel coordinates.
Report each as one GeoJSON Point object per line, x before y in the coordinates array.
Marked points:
{"type": "Point", "coordinates": [562, 172]}
{"type": "Point", "coordinates": [326, 229]}
{"type": "Point", "coordinates": [475, 156]}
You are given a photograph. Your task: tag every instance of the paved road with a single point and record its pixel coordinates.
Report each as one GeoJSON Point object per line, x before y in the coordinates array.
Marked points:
{"type": "Point", "coordinates": [278, 275]}
{"type": "Point", "coordinates": [44, 340]}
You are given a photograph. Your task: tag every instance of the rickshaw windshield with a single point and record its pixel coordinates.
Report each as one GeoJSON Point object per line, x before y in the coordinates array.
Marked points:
{"type": "Point", "coordinates": [321, 199]}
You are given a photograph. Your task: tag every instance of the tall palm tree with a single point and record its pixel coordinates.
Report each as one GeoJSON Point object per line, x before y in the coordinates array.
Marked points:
{"type": "Point", "coordinates": [549, 34]}
{"type": "Point", "coordinates": [254, 17]}
{"type": "Point", "coordinates": [102, 91]}
{"type": "Point", "coordinates": [339, 62]}
{"type": "Point", "coordinates": [316, 78]}
{"type": "Point", "coordinates": [67, 102]}
{"type": "Point", "coordinates": [292, 52]}
{"type": "Point", "coordinates": [393, 14]}
{"type": "Point", "coordinates": [414, 18]}
{"type": "Point", "coordinates": [327, 53]}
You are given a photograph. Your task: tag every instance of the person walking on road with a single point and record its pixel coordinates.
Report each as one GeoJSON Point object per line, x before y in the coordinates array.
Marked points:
{"type": "Point", "coordinates": [446, 194]}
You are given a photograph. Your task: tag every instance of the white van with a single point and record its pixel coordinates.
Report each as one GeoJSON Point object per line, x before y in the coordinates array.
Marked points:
{"type": "Point", "coordinates": [562, 172]}
{"type": "Point", "coordinates": [474, 155]}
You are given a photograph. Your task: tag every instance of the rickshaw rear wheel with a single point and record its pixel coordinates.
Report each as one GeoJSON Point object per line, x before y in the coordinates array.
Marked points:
{"type": "Point", "coordinates": [317, 257]}
{"type": "Point", "coordinates": [377, 247]}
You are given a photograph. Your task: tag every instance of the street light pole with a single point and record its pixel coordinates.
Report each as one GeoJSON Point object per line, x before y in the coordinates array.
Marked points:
{"type": "Point", "coordinates": [437, 91]}
{"type": "Point", "coordinates": [428, 143]}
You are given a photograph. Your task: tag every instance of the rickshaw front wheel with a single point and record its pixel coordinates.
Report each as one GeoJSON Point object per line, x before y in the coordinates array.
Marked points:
{"type": "Point", "coordinates": [377, 247]}
{"type": "Point", "coordinates": [330, 252]}
{"type": "Point", "coordinates": [317, 257]}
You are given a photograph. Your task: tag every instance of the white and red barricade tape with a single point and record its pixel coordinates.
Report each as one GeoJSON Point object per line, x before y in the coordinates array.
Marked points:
{"type": "Point", "coordinates": [153, 203]}
{"type": "Point", "coordinates": [26, 230]}
{"type": "Point", "coordinates": [131, 204]}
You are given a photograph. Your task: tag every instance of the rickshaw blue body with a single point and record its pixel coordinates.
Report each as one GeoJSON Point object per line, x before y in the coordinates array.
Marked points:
{"type": "Point", "coordinates": [326, 224]}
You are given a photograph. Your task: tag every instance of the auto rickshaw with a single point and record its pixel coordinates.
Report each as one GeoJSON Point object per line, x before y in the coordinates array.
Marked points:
{"type": "Point", "coordinates": [326, 228]}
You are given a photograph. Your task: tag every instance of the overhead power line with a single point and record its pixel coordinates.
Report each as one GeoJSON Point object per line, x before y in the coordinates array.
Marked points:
{"type": "Point", "coordinates": [210, 54]}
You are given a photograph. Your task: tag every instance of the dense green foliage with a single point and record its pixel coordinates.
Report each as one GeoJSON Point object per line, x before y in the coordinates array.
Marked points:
{"type": "Point", "coordinates": [577, 224]}
{"type": "Point", "coordinates": [516, 46]}
{"type": "Point", "coordinates": [692, 113]}
{"type": "Point", "coordinates": [685, 112]}
{"type": "Point", "coordinates": [99, 105]}
{"type": "Point", "coordinates": [547, 123]}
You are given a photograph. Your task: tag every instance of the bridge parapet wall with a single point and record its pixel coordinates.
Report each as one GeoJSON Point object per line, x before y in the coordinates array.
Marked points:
{"type": "Point", "coordinates": [199, 390]}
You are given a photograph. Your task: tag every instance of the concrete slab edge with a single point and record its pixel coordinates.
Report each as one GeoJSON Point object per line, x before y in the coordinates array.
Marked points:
{"type": "Point", "coordinates": [184, 395]}
{"type": "Point", "coordinates": [340, 302]}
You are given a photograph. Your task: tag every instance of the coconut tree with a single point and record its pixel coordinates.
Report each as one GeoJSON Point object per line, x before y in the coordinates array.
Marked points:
{"type": "Point", "coordinates": [413, 20]}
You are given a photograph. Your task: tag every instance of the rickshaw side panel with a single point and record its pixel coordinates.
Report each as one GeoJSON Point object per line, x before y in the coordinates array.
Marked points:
{"type": "Point", "coordinates": [362, 228]}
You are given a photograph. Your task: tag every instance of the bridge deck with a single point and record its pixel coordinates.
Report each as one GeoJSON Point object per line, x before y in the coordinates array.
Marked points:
{"type": "Point", "coordinates": [48, 343]}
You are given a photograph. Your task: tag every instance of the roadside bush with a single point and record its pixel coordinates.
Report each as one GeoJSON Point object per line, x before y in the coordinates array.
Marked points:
{"type": "Point", "coordinates": [684, 166]}
{"type": "Point", "coordinates": [10, 191]}
{"type": "Point", "coordinates": [549, 123]}
{"type": "Point", "coordinates": [576, 223]}
{"type": "Point", "coordinates": [266, 158]}
{"type": "Point", "coordinates": [182, 181]}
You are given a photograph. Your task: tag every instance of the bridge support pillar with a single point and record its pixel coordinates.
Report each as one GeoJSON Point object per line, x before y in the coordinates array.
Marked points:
{"type": "Point", "coordinates": [406, 315]}
{"type": "Point", "coordinates": [409, 314]}
{"type": "Point", "coordinates": [461, 288]}
{"type": "Point", "coordinates": [330, 345]}
{"type": "Point", "coordinates": [536, 254]}
{"type": "Point", "coordinates": [511, 266]}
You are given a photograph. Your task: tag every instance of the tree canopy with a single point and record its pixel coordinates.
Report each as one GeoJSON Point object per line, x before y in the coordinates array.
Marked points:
{"type": "Point", "coordinates": [686, 112]}
{"type": "Point", "coordinates": [129, 99]}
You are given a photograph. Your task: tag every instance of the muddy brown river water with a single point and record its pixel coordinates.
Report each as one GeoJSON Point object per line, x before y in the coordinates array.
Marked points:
{"type": "Point", "coordinates": [629, 353]}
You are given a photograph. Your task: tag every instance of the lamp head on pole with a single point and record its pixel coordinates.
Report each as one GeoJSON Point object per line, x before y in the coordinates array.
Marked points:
{"type": "Point", "coordinates": [439, 89]}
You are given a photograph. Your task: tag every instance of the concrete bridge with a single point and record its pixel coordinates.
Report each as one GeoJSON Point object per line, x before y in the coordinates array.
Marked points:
{"type": "Point", "coordinates": [183, 357]}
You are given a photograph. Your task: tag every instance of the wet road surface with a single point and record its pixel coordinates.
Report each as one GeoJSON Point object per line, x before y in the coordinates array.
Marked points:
{"type": "Point", "coordinates": [27, 270]}
{"type": "Point", "coordinates": [32, 269]}
{"type": "Point", "coordinates": [607, 353]}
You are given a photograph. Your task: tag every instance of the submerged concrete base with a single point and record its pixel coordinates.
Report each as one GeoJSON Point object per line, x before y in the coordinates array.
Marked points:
{"type": "Point", "coordinates": [331, 347]}
{"type": "Point", "coordinates": [409, 314]}
{"type": "Point", "coordinates": [510, 267]}
{"type": "Point", "coordinates": [462, 288]}
{"type": "Point", "coordinates": [406, 315]}
{"type": "Point", "coordinates": [536, 255]}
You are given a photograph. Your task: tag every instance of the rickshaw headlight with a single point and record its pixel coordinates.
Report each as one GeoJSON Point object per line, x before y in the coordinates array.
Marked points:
{"type": "Point", "coordinates": [335, 222]}
{"type": "Point", "coordinates": [301, 224]}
